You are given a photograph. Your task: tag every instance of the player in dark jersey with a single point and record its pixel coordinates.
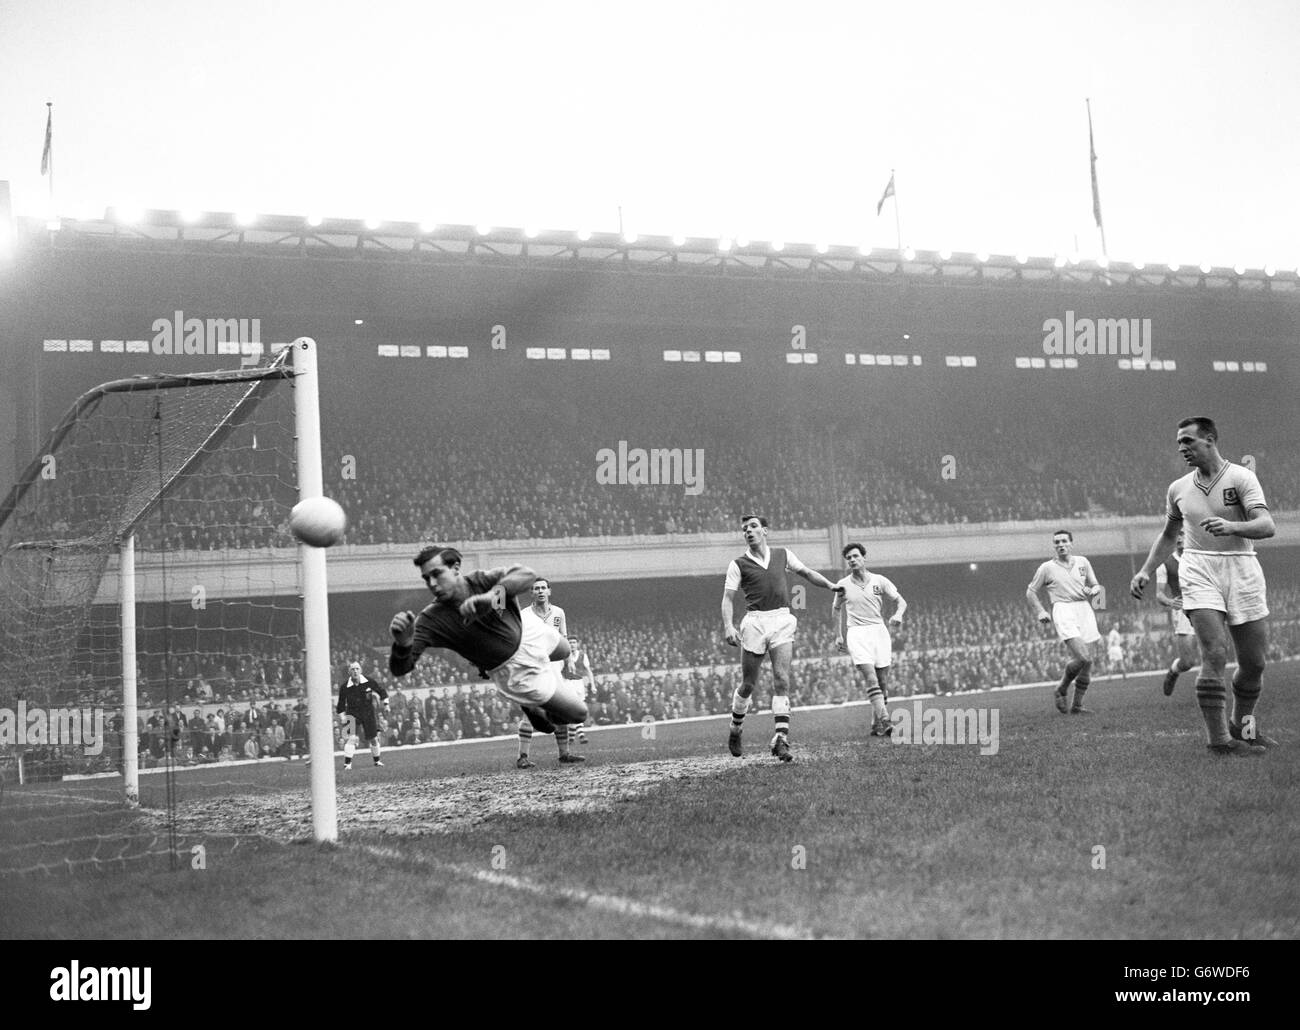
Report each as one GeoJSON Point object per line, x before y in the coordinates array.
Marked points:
{"type": "Point", "coordinates": [478, 616]}
{"type": "Point", "coordinates": [577, 670]}
{"type": "Point", "coordinates": [767, 628]}
{"type": "Point", "coordinates": [357, 699]}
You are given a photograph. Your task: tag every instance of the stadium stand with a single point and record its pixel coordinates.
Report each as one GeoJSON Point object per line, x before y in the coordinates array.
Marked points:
{"type": "Point", "coordinates": [658, 667]}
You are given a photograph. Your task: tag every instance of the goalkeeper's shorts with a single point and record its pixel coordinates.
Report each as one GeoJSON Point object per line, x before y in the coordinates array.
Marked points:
{"type": "Point", "coordinates": [528, 677]}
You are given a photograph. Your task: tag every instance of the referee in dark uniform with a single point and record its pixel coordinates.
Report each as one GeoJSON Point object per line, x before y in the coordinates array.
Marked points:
{"type": "Point", "coordinates": [357, 699]}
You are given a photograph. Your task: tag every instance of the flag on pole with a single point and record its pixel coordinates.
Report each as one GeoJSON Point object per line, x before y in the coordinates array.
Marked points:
{"type": "Point", "coordinates": [48, 153]}
{"type": "Point", "coordinates": [889, 192]}
{"type": "Point", "coordinates": [1092, 154]}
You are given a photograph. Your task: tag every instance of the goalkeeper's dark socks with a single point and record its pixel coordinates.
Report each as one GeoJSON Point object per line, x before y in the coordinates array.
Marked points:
{"type": "Point", "coordinates": [525, 737]}
{"type": "Point", "coordinates": [562, 738]}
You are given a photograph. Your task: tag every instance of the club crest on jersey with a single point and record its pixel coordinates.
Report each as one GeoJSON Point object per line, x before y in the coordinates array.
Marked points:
{"type": "Point", "coordinates": [1230, 495]}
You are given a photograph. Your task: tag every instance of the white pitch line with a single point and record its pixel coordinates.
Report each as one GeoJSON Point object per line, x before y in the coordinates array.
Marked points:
{"type": "Point", "coordinates": [602, 902]}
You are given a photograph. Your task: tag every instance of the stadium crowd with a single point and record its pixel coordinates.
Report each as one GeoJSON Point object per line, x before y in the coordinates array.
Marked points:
{"type": "Point", "coordinates": [879, 469]}
{"type": "Point", "coordinates": [666, 668]}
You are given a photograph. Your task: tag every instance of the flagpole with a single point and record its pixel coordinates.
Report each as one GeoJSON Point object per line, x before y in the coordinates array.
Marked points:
{"type": "Point", "coordinates": [49, 150]}
{"type": "Point", "coordinates": [1096, 192]}
{"type": "Point", "coordinates": [898, 224]}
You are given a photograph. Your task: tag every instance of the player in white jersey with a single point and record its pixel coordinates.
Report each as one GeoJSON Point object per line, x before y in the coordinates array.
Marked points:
{"type": "Point", "coordinates": [1115, 651]}
{"type": "Point", "coordinates": [1070, 584]}
{"type": "Point", "coordinates": [550, 615]}
{"type": "Point", "coordinates": [1169, 594]}
{"type": "Point", "coordinates": [767, 628]}
{"type": "Point", "coordinates": [860, 629]}
{"type": "Point", "coordinates": [1220, 509]}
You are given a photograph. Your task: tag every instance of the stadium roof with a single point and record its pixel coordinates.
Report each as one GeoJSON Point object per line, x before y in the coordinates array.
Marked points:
{"type": "Point", "coordinates": [313, 237]}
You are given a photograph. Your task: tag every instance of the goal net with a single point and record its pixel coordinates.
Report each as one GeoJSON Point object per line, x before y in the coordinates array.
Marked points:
{"type": "Point", "coordinates": [151, 606]}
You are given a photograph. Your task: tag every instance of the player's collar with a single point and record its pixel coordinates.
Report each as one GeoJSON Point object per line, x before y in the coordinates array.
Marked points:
{"type": "Point", "coordinates": [1206, 487]}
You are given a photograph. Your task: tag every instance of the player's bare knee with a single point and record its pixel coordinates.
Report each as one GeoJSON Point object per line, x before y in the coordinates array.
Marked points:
{"type": "Point", "coordinates": [1214, 655]}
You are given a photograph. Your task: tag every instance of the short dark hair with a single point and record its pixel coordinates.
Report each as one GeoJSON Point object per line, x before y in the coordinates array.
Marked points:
{"type": "Point", "coordinates": [1204, 426]}
{"type": "Point", "coordinates": [541, 579]}
{"type": "Point", "coordinates": [1066, 532]}
{"type": "Point", "coordinates": [853, 547]}
{"type": "Point", "coordinates": [449, 555]}
{"type": "Point", "coordinates": [762, 519]}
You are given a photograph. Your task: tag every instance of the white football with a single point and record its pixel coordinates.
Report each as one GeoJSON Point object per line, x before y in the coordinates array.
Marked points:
{"type": "Point", "coordinates": [318, 522]}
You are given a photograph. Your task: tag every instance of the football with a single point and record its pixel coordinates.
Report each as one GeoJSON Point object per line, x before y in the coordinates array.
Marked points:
{"type": "Point", "coordinates": [318, 522]}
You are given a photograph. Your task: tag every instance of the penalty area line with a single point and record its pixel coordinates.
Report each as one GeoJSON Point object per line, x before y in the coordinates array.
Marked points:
{"type": "Point", "coordinates": [600, 902]}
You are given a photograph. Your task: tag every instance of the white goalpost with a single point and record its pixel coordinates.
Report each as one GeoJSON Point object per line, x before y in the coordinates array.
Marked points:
{"type": "Point", "coordinates": [315, 603]}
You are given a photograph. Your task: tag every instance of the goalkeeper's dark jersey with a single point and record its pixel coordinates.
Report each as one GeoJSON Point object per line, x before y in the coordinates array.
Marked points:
{"type": "Point", "coordinates": [354, 699]}
{"type": "Point", "coordinates": [489, 641]}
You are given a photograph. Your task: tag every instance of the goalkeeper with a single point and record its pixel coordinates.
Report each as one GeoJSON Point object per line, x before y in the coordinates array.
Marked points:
{"type": "Point", "coordinates": [477, 615]}
{"type": "Point", "coordinates": [358, 699]}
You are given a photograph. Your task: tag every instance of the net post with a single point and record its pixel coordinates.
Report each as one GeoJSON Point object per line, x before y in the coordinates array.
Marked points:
{"type": "Point", "coordinates": [315, 599]}
{"type": "Point", "coordinates": [130, 704]}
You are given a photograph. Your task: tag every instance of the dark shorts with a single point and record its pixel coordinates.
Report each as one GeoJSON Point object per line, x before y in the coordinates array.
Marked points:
{"type": "Point", "coordinates": [367, 725]}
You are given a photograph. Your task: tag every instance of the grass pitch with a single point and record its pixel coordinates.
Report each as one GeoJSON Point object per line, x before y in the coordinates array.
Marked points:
{"type": "Point", "coordinates": [1118, 825]}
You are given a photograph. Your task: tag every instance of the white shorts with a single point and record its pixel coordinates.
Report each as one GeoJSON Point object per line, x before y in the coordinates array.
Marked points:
{"type": "Point", "coordinates": [529, 677]}
{"type": "Point", "coordinates": [1115, 654]}
{"type": "Point", "coordinates": [1228, 583]}
{"type": "Point", "coordinates": [578, 688]}
{"type": "Point", "coordinates": [1075, 619]}
{"type": "Point", "coordinates": [869, 645]}
{"type": "Point", "coordinates": [1182, 624]}
{"type": "Point", "coordinates": [761, 631]}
